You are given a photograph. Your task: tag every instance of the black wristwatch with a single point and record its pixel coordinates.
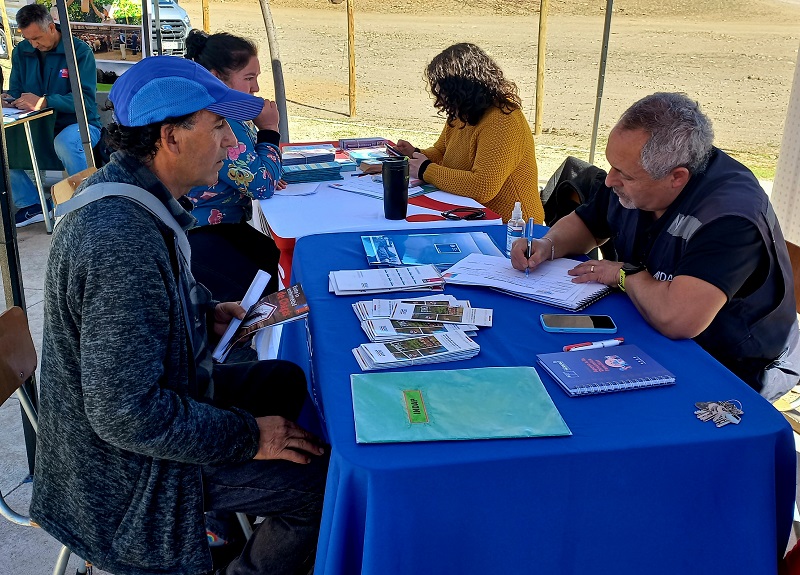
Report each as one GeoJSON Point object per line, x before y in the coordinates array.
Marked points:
{"type": "Point", "coordinates": [628, 270]}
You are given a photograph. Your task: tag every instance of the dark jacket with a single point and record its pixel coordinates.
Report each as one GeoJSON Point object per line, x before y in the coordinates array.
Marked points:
{"type": "Point", "coordinates": [122, 435]}
{"type": "Point", "coordinates": [749, 332]}
{"type": "Point", "coordinates": [26, 76]}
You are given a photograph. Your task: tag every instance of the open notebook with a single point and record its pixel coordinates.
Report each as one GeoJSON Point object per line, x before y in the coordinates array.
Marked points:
{"type": "Point", "coordinates": [549, 283]}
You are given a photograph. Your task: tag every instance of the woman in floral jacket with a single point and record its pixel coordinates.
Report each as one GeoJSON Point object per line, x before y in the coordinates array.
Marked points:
{"type": "Point", "coordinates": [226, 250]}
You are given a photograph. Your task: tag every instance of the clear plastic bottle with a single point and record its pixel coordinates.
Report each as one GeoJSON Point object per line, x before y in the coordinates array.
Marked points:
{"type": "Point", "coordinates": [516, 227]}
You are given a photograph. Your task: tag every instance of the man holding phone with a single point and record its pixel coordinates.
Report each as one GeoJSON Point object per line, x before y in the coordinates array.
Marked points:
{"type": "Point", "coordinates": [40, 79]}
{"type": "Point", "coordinates": [699, 225]}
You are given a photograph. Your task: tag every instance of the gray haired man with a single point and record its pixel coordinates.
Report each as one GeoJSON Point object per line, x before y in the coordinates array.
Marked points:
{"type": "Point", "coordinates": [702, 230]}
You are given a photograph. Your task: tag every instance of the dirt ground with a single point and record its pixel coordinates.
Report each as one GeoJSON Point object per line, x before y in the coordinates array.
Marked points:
{"type": "Point", "coordinates": [737, 58]}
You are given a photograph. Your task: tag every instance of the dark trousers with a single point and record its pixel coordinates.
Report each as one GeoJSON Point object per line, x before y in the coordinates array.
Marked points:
{"type": "Point", "coordinates": [226, 258]}
{"type": "Point", "coordinates": [288, 495]}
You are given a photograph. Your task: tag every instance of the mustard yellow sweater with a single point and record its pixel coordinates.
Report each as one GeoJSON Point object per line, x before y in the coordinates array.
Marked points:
{"type": "Point", "coordinates": [493, 162]}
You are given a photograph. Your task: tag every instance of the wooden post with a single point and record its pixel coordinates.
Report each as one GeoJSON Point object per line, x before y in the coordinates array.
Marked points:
{"type": "Point", "coordinates": [206, 18]}
{"type": "Point", "coordinates": [544, 7]}
{"type": "Point", "coordinates": [351, 57]}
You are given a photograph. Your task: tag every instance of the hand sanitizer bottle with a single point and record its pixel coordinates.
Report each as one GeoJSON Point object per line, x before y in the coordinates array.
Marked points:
{"type": "Point", "coordinates": [516, 227]}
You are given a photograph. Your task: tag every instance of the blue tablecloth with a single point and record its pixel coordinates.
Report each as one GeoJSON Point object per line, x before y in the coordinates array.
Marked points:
{"type": "Point", "coordinates": [642, 486]}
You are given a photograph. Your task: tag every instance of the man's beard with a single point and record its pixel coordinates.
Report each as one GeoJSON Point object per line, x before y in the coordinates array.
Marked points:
{"type": "Point", "coordinates": [624, 200]}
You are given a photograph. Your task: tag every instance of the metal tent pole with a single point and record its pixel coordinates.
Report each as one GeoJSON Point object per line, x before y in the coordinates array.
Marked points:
{"type": "Point", "coordinates": [12, 282]}
{"type": "Point", "coordinates": [75, 81]}
{"type": "Point", "coordinates": [601, 78]}
{"type": "Point", "coordinates": [277, 71]}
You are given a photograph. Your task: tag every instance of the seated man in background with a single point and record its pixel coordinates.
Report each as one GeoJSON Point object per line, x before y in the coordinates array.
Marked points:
{"type": "Point", "coordinates": [702, 230]}
{"type": "Point", "coordinates": [40, 79]}
{"type": "Point", "coordinates": [139, 433]}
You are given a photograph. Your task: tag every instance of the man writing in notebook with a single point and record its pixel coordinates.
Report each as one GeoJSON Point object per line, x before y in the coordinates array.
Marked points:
{"type": "Point", "coordinates": [139, 433]}
{"type": "Point", "coordinates": [699, 249]}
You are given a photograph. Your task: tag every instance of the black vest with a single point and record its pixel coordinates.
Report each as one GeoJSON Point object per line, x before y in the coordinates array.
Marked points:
{"type": "Point", "coordinates": [748, 332]}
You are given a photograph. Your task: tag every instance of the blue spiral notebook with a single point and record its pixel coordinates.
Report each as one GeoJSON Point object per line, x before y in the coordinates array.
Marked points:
{"type": "Point", "coordinates": [604, 370]}
{"type": "Point", "coordinates": [441, 405]}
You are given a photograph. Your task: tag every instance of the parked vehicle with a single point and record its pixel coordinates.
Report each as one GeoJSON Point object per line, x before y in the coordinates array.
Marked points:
{"type": "Point", "coordinates": [174, 25]}
{"type": "Point", "coordinates": [3, 43]}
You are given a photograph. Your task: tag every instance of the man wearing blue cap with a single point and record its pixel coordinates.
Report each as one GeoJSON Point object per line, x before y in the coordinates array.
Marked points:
{"type": "Point", "coordinates": [139, 433]}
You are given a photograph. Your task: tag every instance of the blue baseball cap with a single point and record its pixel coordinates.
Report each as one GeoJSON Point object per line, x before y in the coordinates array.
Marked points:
{"type": "Point", "coordinates": [161, 87]}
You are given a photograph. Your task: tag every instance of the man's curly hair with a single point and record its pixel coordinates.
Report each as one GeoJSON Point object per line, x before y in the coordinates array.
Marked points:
{"type": "Point", "coordinates": [465, 82]}
{"type": "Point", "coordinates": [142, 141]}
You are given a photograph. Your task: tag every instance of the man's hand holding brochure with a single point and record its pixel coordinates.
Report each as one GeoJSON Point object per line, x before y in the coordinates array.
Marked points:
{"type": "Point", "coordinates": [274, 309]}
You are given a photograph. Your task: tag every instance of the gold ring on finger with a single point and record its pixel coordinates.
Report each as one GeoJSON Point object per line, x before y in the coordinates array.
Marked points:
{"type": "Point", "coordinates": [592, 270]}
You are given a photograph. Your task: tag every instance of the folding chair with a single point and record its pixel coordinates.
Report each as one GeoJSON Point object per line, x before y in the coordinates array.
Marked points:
{"type": "Point", "coordinates": [17, 364]}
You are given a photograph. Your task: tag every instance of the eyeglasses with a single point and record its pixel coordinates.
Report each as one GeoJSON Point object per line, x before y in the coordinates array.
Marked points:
{"type": "Point", "coordinates": [464, 214]}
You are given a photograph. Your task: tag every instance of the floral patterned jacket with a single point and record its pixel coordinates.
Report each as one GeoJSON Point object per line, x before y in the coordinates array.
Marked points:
{"type": "Point", "coordinates": [250, 172]}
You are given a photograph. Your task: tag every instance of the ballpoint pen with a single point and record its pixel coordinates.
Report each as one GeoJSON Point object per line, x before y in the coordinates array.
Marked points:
{"type": "Point", "coordinates": [529, 237]}
{"type": "Point", "coordinates": [594, 344]}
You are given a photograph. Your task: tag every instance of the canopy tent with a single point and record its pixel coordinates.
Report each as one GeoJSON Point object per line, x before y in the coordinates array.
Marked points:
{"type": "Point", "coordinates": [786, 187]}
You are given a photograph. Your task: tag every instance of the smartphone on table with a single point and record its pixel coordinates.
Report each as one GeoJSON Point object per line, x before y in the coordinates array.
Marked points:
{"type": "Point", "coordinates": [577, 323]}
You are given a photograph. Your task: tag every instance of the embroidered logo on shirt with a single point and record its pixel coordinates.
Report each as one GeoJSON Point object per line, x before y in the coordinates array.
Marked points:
{"type": "Point", "coordinates": [64, 73]}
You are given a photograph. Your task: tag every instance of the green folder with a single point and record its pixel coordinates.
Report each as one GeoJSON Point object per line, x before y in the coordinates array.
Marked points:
{"type": "Point", "coordinates": [442, 405]}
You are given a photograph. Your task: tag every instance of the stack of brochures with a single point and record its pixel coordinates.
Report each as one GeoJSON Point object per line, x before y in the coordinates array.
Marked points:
{"type": "Point", "coordinates": [372, 186]}
{"type": "Point", "coordinates": [412, 278]}
{"type": "Point", "coordinates": [435, 348]}
{"type": "Point", "coordinates": [548, 283]}
{"type": "Point", "coordinates": [440, 405]}
{"type": "Point", "coordinates": [262, 312]}
{"type": "Point", "coordinates": [603, 370]}
{"type": "Point", "coordinates": [312, 172]}
{"type": "Point", "coordinates": [379, 325]}
{"type": "Point", "coordinates": [309, 154]}
{"type": "Point", "coordinates": [441, 250]}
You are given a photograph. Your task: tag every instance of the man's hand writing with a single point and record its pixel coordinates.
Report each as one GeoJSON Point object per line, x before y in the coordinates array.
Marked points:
{"type": "Point", "coordinates": [540, 251]}
{"type": "Point", "coordinates": [224, 313]}
{"type": "Point", "coordinates": [283, 439]}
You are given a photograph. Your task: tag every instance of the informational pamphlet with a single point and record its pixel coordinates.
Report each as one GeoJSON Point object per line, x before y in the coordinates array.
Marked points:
{"type": "Point", "coordinates": [350, 282]}
{"type": "Point", "coordinates": [274, 309]}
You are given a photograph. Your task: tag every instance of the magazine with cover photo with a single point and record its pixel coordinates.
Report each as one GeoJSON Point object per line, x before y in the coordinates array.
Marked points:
{"type": "Point", "coordinates": [274, 309]}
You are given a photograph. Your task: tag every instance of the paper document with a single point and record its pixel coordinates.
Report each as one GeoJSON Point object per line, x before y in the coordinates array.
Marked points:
{"type": "Point", "coordinates": [548, 283]}
{"type": "Point", "coordinates": [345, 282]}
{"type": "Point", "coordinates": [371, 186]}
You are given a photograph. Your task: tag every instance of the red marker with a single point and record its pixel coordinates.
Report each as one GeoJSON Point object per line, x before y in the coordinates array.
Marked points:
{"type": "Point", "coordinates": [594, 344]}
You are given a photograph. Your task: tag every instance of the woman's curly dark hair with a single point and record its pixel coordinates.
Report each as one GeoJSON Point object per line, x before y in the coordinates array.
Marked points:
{"type": "Point", "coordinates": [465, 82]}
{"type": "Point", "coordinates": [142, 141]}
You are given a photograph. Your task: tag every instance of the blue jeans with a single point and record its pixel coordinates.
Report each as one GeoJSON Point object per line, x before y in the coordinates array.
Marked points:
{"type": "Point", "coordinates": [69, 149]}
{"type": "Point", "coordinates": [288, 495]}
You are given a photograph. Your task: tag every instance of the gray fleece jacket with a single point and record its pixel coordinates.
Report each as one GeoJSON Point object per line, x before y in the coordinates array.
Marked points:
{"type": "Point", "coordinates": [122, 434]}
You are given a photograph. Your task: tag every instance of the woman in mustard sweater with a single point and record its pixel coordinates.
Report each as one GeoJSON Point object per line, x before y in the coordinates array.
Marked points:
{"type": "Point", "coordinates": [486, 149]}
